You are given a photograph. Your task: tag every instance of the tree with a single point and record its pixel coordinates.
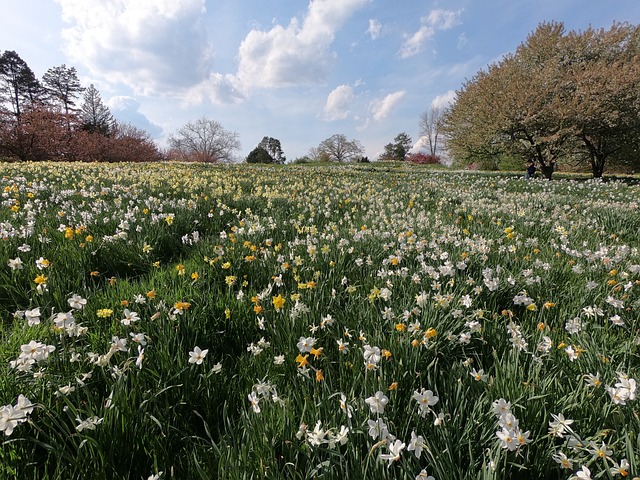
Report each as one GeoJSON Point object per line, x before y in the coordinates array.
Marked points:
{"type": "Point", "coordinates": [337, 148]}
{"type": "Point", "coordinates": [599, 105]}
{"type": "Point", "coordinates": [273, 148]}
{"type": "Point", "coordinates": [62, 87]}
{"type": "Point", "coordinates": [42, 133]}
{"type": "Point", "coordinates": [204, 141]}
{"type": "Point", "coordinates": [398, 150]}
{"type": "Point", "coordinates": [19, 87]}
{"type": "Point", "coordinates": [128, 143]}
{"type": "Point", "coordinates": [573, 96]}
{"type": "Point", "coordinates": [259, 155]}
{"type": "Point", "coordinates": [95, 116]}
{"type": "Point", "coordinates": [430, 127]}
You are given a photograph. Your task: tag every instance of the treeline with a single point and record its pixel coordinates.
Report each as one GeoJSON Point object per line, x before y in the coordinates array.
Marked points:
{"type": "Point", "coordinates": [57, 119]}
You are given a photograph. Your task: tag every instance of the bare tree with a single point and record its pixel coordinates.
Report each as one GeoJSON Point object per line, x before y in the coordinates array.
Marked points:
{"type": "Point", "coordinates": [338, 148]}
{"type": "Point", "coordinates": [205, 141]}
{"type": "Point", "coordinates": [430, 123]}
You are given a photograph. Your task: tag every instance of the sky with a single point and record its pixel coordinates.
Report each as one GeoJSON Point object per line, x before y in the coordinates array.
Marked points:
{"type": "Point", "coordinates": [296, 70]}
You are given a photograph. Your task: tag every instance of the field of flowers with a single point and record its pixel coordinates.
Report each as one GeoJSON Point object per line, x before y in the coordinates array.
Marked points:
{"type": "Point", "coordinates": [194, 321]}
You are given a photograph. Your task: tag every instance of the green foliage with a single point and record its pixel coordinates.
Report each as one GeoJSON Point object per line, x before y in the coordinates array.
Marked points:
{"type": "Point", "coordinates": [259, 155]}
{"type": "Point", "coordinates": [398, 150]}
{"type": "Point", "coordinates": [273, 147]}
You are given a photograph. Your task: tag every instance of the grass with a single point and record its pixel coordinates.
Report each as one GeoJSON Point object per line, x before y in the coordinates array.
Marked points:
{"type": "Point", "coordinates": [313, 288]}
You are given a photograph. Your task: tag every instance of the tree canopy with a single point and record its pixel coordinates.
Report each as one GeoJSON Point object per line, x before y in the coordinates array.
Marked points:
{"type": "Point", "coordinates": [273, 147]}
{"type": "Point", "coordinates": [95, 115]}
{"type": "Point", "coordinates": [398, 150]}
{"type": "Point", "coordinates": [19, 87]}
{"type": "Point", "coordinates": [62, 87]}
{"type": "Point", "coordinates": [574, 96]}
{"type": "Point", "coordinates": [259, 155]}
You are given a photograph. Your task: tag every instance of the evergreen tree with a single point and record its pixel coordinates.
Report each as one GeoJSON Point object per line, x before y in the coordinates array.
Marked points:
{"type": "Point", "coordinates": [19, 87]}
{"type": "Point", "coordinates": [62, 87]}
{"type": "Point", "coordinates": [259, 155]}
{"type": "Point", "coordinates": [95, 115]}
{"type": "Point", "coordinates": [273, 148]}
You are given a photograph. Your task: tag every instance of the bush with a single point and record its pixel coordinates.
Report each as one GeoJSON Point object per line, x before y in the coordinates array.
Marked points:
{"type": "Point", "coordinates": [423, 158]}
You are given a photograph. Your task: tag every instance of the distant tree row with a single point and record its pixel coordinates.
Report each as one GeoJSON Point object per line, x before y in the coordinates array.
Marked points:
{"type": "Point", "coordinates": [561, 96]}
{"type": "Point", "coordinates": [41, 119]}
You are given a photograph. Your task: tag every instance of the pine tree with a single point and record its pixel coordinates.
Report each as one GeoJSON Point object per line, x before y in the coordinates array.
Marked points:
{"type": "Point", "coordinates": [19, 87]}
{"type": "Point", "coordinates": [62, 87]}
{"type": "Point", "coordinates": [95, 116]}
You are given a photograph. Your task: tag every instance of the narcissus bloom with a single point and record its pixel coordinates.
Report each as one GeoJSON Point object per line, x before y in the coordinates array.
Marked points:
{"type": "Point", "coordinates": [104, 312]}
{"type": "Point", "coordinates": [377, 402]}
{"type": "Point", "coordinates": [394, 452]}
{"type": "Point", "coordinates": [278, 302]}
{"type": "Point", "coordinates": [197, 355]}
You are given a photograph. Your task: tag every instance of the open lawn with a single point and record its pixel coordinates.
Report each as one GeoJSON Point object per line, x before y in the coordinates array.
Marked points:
{"type": "Point", "coordinates": [195, 321]}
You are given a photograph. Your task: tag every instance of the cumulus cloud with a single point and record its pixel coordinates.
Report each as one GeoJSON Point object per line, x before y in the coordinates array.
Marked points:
{"type": "Point", "coordinates": [444, 100]}
{"type": "Point", "coordinates": [218, 89]}
{"type": "Point", "coordinates": [382, 108]}
{"type": "Point", "coordinates": [338, 103]}
{"type": "Point", "coordinates": [375, 27]}
{"type": "Point", "coordinates": [436, 20]}
{"type": "Point", "coordinates": [126, 109]}
{"type": "Point", "coordinates": [297, 54]}
{"type": "Point", "coordinates": [149, 45]}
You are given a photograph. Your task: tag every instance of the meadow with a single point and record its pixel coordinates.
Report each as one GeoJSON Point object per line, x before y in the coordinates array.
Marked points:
{"type": "Point", "coordinates": [196, 321]}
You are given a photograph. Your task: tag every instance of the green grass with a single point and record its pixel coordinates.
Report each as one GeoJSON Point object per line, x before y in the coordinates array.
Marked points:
{"type": "Point", "coordinates": [444, 273]}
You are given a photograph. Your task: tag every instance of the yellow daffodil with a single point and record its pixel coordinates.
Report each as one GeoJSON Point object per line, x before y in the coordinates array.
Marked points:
{"type": "Point", "coordinates": [278, 302]}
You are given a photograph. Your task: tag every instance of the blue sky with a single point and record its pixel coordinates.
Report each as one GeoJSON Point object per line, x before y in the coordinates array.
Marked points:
{"type": "Point", "coordinates": [296, 70]}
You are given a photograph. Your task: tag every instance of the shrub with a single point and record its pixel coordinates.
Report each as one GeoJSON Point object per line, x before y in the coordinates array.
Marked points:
{"type": "Point", "coordinates": [423, 158]}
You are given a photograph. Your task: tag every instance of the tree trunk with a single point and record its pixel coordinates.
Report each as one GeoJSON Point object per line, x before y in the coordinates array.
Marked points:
{"type": "Point", "coordinates": [597, 167]}
{"type": "Point", "coordinates": [547, 169]}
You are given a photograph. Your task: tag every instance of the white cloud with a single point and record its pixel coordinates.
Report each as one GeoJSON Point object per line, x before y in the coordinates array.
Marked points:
{"type": "Point", "coordinates": [382, 108]}
{"type": "Point", "coordinates": [436, 20]}
{"type": "Point", "coordinates": [444, 100]}
{"type": "Point", "coordinates": [420, 144]}
{"type": "Point", "coordinates": [338, 103]}
{"type": "Point", "coordinates": [462, 41]}
{"type": "Point", "coordinates": [443, 19]}
{"type": "Point", "coordinates": [126, 109]}
{"type": "Point", "coordinates": [375, 27]}
{"type": "Point", "coordinates": [149, 45]}
{"type": "Point", "coordinates": [218, 89]}
{"type": "Point", "coordinates": [415, 43]}
{"type": "Point", "coordinates": [296, 54]}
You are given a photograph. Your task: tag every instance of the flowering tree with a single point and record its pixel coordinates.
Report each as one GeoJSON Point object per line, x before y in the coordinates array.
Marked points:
{"type": "Point", "coordinates": [574, 96]}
